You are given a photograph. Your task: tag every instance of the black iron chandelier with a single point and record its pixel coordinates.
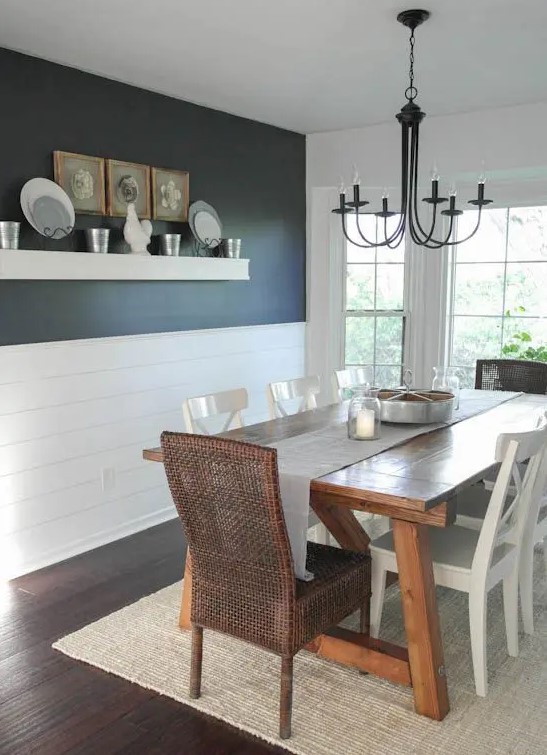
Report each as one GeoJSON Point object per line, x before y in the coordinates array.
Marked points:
{"type": "Point", "coordinates": [410, 118]}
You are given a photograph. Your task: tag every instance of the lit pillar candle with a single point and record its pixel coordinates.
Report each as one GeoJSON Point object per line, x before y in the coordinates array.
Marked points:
{"type": "Point", "coordinates": [364, 423]}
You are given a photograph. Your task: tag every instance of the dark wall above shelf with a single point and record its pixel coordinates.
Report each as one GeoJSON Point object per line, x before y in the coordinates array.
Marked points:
{"type": "Point", "coordinates": [253, 174]}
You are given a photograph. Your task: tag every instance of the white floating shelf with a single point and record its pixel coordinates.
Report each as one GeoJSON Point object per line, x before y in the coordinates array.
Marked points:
{"type": "Point", "coordinates": [32, 264]}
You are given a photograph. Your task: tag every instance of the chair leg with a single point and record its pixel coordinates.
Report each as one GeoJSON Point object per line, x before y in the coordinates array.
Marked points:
{"type": "Point", "coordinates": [526, 587]}
{"type": "Point", "coordinates": [285, 699]}
{"type": "Point", "coordinates": [477, 625]}
{"type": "Point", "coordinates": [364, 617]}
{"type": "Point", "coordinates": [511, 610]}
{"type": "Point", "coordinates": [377, 599]}
{"type": "Point", "coordinates": [196, 661]}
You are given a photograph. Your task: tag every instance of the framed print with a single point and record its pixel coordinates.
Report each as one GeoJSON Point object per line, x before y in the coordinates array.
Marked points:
{"type": "Point", "coordinates": [170, 194]}
{"type": "Point", "coordinates": [126, 183]}
{"type": "Point", "coordinates": [83, 179]}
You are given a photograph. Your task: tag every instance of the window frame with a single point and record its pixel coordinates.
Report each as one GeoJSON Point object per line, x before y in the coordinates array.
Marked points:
{"type": "Point", "coordinates": [452, 279]}
{"type": "Point", "coordinates": [402, 314]}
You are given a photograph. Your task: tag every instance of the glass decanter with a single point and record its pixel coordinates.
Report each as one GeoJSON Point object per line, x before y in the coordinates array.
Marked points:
{"type": "Point", "coordinates": [364, 413]}
{"type": "Point", "coordinates": [446, 379]}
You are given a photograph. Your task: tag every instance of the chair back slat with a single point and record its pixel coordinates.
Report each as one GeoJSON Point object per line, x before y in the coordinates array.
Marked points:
{"type": "Point", "coordinates": [303, 389]}
{"type": "Point", "coordinates": [508, 525]}
{"type": "Point", "coordinates": [198, 408]}
{"type": "Point", "coordinates": [521, 375]}
{"type": "Point", "coordinates": [345, 379]}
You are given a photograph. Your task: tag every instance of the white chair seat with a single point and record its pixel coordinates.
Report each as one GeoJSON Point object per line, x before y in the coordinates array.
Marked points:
{"type": "Point", "coordinates": [452, 548]}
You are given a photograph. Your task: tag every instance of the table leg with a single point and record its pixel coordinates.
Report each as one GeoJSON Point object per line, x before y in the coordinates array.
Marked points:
{"type": "Point", "coordinates": [341, 523]}
{"type": "Point", "coordinates": [425, 650]}
{"type": "Point", "coordinates": [186, 602]}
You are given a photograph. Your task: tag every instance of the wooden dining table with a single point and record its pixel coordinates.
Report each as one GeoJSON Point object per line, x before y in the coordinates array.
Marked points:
{"type": "Point", "coordinates": [415, 484]}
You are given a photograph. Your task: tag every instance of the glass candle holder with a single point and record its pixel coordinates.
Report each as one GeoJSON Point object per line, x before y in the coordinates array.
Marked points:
{"type": "Point", "coordinates": [364, 414]}
{"type": "Point", "coordinates": [446, 379]}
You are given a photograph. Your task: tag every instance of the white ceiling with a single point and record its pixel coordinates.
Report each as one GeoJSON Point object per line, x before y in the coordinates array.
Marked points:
{"type": "Point", "coordinates": [306, 65]}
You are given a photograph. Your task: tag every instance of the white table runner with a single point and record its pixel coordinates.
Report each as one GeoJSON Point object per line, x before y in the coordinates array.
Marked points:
{"type": "Point", "coordinates": [310, 455]}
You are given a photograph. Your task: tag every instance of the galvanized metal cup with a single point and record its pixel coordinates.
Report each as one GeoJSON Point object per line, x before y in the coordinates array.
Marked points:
{"type": "Point", "coordinates": [9, 234]}
{"type": "Point", "coordinates": [170, 244]}
{"type": "Point", "coordinates": [231, 248]}
{"type": "Point", "coordinates": [97, 239]}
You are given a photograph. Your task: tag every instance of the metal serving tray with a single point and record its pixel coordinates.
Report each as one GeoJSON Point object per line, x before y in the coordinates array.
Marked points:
{"type": "Point", "coordinates": [416, 406]}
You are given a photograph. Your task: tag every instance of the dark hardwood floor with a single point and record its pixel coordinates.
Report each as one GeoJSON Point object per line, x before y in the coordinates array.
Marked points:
{"type": "Point", "coordinates": [50, 704]}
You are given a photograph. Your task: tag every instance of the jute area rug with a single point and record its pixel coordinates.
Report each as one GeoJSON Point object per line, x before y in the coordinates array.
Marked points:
{"type": "Point", "coordinates": [337, 710]}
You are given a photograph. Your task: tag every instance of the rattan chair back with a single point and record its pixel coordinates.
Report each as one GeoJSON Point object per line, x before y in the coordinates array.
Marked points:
{"type": "Point", "coordinates": [227, 496]}
{"type": "Point", "coordinates": [511, 375]}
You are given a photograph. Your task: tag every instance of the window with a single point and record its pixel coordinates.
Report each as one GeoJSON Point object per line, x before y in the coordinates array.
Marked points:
{"type": "Point", "coordinates": [374, 304]}
{"type": "Point", "coordinates": [499, 285]}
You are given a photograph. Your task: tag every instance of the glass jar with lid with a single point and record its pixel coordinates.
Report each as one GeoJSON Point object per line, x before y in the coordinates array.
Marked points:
{"type": "Point", "coordinates": [364, 414]}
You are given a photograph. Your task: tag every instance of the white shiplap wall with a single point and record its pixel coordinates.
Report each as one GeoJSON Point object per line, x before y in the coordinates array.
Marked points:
{"type": "Point", "coordinates": [72, 409]}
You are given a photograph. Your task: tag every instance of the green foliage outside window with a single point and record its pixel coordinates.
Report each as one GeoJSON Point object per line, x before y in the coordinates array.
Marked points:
{"type": "Point", "coordinates": [520, 344]}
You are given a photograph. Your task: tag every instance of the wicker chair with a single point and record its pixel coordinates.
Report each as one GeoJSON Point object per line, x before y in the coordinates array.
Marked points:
{"type": "Point", "coordinates": [511, 375]}
{"type": "Point", "coordinates": [243, 584]}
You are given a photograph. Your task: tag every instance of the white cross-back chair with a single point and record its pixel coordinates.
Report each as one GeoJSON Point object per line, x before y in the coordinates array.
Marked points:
{"type": "Point", "coordinates": [344, 379]}
{"type": "Point", "coordinates": [198, 408]}
{"type": "Point", "coordinates": [304, 389]}
{"type": "Point", "coordinates": [475, 561]}
{"type": "Point", "coordinates": [536, 535]}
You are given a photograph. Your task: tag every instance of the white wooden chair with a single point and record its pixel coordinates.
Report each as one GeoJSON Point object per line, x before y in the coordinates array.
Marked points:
{"type": "Point", "coordinates": [473, 517]}
{"type": "Point", "coordinates": [344, 379]}
{"type": "Point", "coordinates": [198, 408]}
{"type": "Point", "coordinates": [304, 389]}
{"type": "Point", "coordinates": [474, 562]}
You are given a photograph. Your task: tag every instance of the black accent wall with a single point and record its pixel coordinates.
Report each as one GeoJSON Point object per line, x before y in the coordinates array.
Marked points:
{"type": "Point", "coordinates": [253, 174]}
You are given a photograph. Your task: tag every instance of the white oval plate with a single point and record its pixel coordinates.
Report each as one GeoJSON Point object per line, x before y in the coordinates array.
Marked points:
{"type": "Point", "coordinates": [47, 207]}
{"type": "Point", "coordinates": [205, 223]}
{"type": "Point", "coordinates": [207, 229]}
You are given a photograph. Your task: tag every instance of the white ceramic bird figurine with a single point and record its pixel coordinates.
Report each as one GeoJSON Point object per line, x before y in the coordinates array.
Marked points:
{"type": "Point", "coordinates": [137, 232]}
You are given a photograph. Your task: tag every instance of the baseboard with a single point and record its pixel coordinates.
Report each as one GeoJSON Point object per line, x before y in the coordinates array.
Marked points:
{"type": "Point", "coordinates": [104, 537]}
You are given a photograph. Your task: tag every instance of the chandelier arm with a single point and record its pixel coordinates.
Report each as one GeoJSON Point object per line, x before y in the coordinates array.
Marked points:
{"type": "Point", "coordinates": [368, 245]}
{"type": "Point", "coordinates": [428, 241]}
{"type": "Point", "coordinates": [417, 235]}
{"type": "Point", "coordinates": [427, 236]}
{"type": "Point", "coordinates": [377, 244]}
{"type": "Point", "coordinates": [400, 234]}
{"type": "Point", "coordinates": [438, 243]}
{"type": "Point", "coordinates": [473, 232]}
{"type": "Point", "coordinates": [397, 236]}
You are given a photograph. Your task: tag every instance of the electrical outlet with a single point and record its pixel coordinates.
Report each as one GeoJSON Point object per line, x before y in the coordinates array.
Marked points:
{"type": "Point", "coordinates": [108, 479]}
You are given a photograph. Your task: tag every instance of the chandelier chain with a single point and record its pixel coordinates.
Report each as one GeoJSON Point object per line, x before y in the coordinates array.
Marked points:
{"type": "Point", "coordinates": [411, 92]}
